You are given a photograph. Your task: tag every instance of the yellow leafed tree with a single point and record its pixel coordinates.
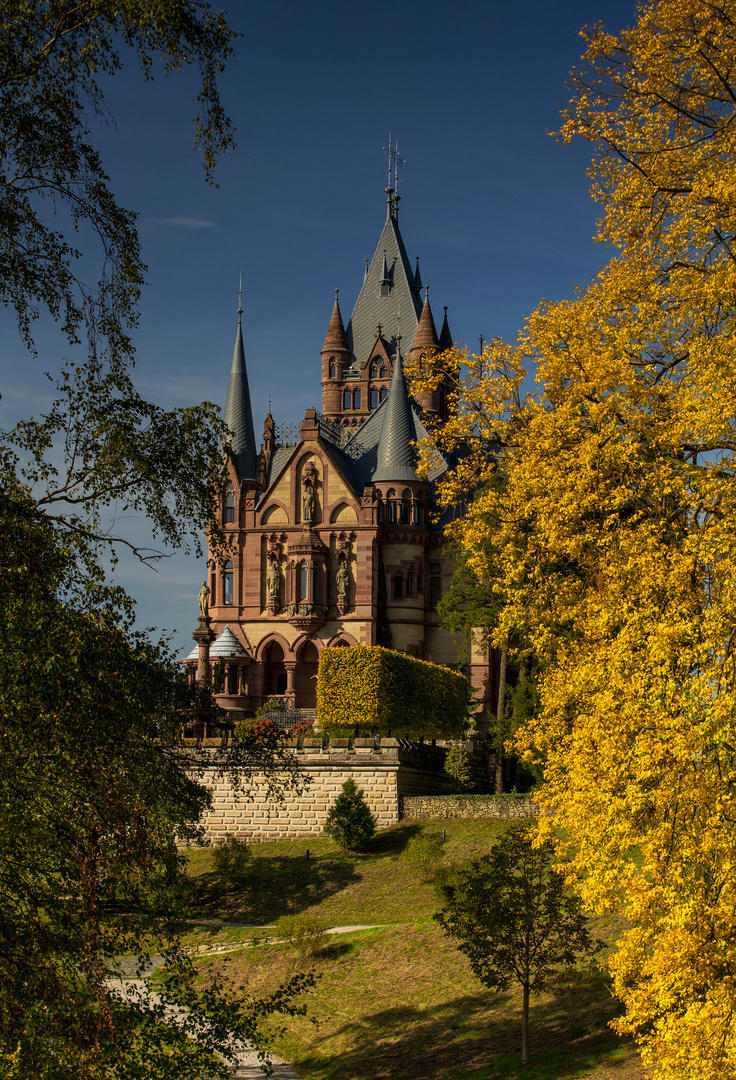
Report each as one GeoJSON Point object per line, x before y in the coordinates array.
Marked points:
{"type": "Point", "coordinates": [611, 538]}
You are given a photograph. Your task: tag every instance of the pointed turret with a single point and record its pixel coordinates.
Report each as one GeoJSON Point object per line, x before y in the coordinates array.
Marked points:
{"type": "Point", "coordinates": [238, 413]}
{"type": "Point", "coordinates": [395, 457]}
{"type": "Point", "coordinates": [418, 277]}
{"type": "Point", "coordinates": [336, 339]}
{"type": "Point", "coordinates": [335, 358]}
{"type": "Point", "coordinates": [425, 340]}
{"type": "Point", "coordinates": [445, 335]}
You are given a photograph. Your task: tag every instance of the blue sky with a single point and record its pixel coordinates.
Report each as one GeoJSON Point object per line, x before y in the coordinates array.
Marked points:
{"type": "Point", "coordinates": [497, 211]}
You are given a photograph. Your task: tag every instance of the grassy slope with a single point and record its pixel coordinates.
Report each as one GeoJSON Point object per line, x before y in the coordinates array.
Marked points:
{"type": "Point", "coordinates": [399, 1001]}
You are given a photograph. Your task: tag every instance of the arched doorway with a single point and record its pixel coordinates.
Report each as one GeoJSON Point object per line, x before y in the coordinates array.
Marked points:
{"type": "Point", "coordinates": [305, 681]}
{"type": "Point", "coordinates": [274, 672]}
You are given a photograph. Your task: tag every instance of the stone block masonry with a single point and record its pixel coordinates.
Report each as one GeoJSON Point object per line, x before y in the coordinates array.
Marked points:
{"type": "Point", "coordinates": [386, 776]}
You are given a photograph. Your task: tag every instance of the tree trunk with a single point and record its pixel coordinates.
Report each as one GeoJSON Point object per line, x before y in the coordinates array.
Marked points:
{"type": "Point", "coordinates": [500, 710]}
{"type": "Point", "coordinates": [525, 1027]}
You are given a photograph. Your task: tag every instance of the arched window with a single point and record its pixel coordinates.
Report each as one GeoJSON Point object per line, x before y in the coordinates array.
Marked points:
{"type": "Point", "coordinates": [303, 580]}
{"type": "Point", "coordinates": [410, 583]}
{"type": "Point", "coordinates": [405, 507]}
{"type": "Point", "coordinates": [356, 399]}
{"type": "Point", "coordinates": [229, 503]}
{"type": "Point", "coordinates": [315, 585]}
{"type": "Point", "coordinates": [228, 583]}
{"type": "Point", "coordinates": [391, 503]}
{"type": "Point", "coordinates": [333, 369]}
{"type": "Point", "coordinates": [416, 513]}
{"type": "Point", "coordinates": [380, 512]}
{"type": "Point", "coordinates": [398, 588]}
{"type": "Point", "coordinates": [383, 372]}
{"type": "Point", "coordinates": [374, 373]}
{"type": "Point", "coordinates": [346, 399]}
{"type": "Point", "coordinates": [374, 398]}
{"type": "Point", "coordinates": [383, 393]}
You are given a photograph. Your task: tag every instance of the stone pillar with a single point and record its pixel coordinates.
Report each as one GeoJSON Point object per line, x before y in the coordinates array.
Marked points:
{"type": "Point", "coordinates": [204, 637]}
{"type": "Point", "coordinates": [290, 695]}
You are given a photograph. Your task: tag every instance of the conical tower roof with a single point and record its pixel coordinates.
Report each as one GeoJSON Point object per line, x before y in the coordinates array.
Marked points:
{"type": "Point", "coordinates": [446, 341]}
{"type": "Point", "coordinates": [426, 335]}
{"type": "Point", "coordinates": [238, 413]}
{"type": "Point", "coordinates": [336, 340]}
{"type": "Point", "coordinates": [388, 303]}
{"type": "Point", "coordinates": [395, 457]}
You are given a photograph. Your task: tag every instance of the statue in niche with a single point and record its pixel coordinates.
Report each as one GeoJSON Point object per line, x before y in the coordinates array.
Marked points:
{"type": "Point", "coordinates": [343, 580]}
{"type": "Point", "coordinates": [204, 600]}
{"type": "Point", "coordinates": [308, 504]}
{"type": "Point", "coordinates": [273, 580]}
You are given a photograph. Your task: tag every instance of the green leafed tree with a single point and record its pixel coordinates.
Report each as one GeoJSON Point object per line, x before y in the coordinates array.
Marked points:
{"type": "Point", "coordinates": [349, 821]}
{"type": "Point", "coordinates": [95, 790]}
{"type": "Point", "coordinates": [513, 918]}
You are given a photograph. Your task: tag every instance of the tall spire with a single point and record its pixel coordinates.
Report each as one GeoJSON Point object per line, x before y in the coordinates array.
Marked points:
{"type": "Point", "coordinates": [238, 412]}
{"type": "Point", "coordinates": [395, 458]}
{"type": "Point", "coordinates": [445, 335]}
{"type": "Point", "coordinates": [417, 277]}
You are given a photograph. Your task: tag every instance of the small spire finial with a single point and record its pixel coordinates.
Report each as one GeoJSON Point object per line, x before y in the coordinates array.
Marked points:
{"type": "Point", "coordinates": [240, 298]}
{"type": "Point", "coordinates": [426, 294]}
{"type": "Point", "coordinates": [337, 292]}
{"type": "Point", "coordinates": [269, 404]}
{"type": "Point", "coordinates": [445, 309]}
{"type": "Point", "coordinates": [481, 342]}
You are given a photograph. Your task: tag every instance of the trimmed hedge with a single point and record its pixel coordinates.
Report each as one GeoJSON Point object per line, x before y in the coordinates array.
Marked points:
{"type": "Point", "coordinates": [369, 685]}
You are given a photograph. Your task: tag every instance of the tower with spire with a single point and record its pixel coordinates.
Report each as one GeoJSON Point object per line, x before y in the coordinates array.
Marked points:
{"type": "Point", "coordinates": [333, 537]}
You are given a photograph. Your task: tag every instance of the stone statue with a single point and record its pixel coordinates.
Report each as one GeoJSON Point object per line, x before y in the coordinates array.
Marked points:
{"type": "Point", "coordinates": [343, 580]}
{"type": "Point", "coordinates": [273, 581]}
{"type": "Point", "coordinates": [204, 600]}
{"type": "Point", "coordinates": [308, 504]}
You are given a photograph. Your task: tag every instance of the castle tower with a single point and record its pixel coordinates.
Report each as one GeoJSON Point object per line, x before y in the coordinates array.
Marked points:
{"type": "Point", "coordinates": [425, 348]}
{"type": "Point", "coordinates": [239, 415]}
{"type": "Point", "coordinates": [335, 358]}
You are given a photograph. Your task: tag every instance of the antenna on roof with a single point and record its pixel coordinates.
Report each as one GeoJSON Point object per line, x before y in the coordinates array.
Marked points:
{"type": "Point", "coordinates": [394, 164]}
{"type": "Point", "coordinates": [481, 342]}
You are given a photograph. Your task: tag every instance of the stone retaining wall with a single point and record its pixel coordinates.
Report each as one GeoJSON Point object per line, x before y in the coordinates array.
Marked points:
{"type": "Point", "coordinates": [416, 807]}
{"type": "Point", "coordinates": [386, 775]}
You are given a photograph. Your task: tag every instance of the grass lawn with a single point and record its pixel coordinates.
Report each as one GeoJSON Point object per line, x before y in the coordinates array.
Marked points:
{"type": "Point", "coordinates": [399, 1001]}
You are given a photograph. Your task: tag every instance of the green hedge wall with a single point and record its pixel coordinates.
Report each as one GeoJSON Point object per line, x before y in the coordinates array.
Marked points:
{"type": "Point", "coordinates": [369, 685]}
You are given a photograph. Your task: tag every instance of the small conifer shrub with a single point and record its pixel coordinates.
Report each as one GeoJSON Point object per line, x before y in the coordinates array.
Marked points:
{"type": "Point", "coordinates": [349, 822]}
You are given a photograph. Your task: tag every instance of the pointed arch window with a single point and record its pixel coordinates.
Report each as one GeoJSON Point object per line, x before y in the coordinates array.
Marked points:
{"type": "Point", "coordinates": [229, 503]}
{"type": "Point", "coordinates": [383, 393]}
{"type": "Point", "coordinates": [374, 398]}
{"type": "Point", "coordinates": [227, 591]}
{"type": "Point", "coordinates": [303, 580]}
{"type": "Point", "coordinates": [333, 369]}
{"type": "Point", "coordinates": [356, 399]}
{"type": "Point", "coordinates": [405, 507]}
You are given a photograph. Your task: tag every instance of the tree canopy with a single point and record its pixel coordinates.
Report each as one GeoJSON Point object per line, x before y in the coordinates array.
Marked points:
{"type": "Point", "coordinates": [611, 543]}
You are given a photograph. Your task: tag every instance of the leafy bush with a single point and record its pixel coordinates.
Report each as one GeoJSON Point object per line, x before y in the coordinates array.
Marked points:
{"type": "Point", "coordinates": [369, 685]}
{"type": "Point", "coordinates": [231, 858]}
{"type": "Point", "coordinates": [422, 854]}
{"type": "Point", "coordinates": [468, 771]}
{"type": "Point", "coordinates": [349, 822]}
{"type": "Point", "coordinates": [303, 932]}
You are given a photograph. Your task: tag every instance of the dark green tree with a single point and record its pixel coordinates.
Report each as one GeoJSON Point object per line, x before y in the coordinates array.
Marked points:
{"type": "Point", "coordinates": [349, 821]}
{"type": "Point", "coordinates": [513, 918]}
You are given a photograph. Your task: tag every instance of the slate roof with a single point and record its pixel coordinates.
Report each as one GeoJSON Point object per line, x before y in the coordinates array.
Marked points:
{"type": "Point", "coordinates": [225, 645]}
{"type": "Point", "coordinates": [371, 308]}
{"type": "Point", "coordinates": [395, 456]}
{"type": "Point", "coordinates": [239, 415]}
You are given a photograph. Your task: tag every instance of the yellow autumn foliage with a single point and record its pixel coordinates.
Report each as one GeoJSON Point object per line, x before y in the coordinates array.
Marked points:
{"type": "Point", "coordinates": [612, 540]}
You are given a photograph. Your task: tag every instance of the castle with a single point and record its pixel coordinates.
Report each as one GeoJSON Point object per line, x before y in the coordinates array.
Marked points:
{"type": "Point", "coordinates": [333, 537]}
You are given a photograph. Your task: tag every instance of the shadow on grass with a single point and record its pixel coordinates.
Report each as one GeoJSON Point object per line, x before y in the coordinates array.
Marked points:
{"type": "Point", "coordinates": [393, 841]}
{"type": "Point", "coordinates": [270, 886]}
{"type": "Point", "coordinates": [569, 1036]}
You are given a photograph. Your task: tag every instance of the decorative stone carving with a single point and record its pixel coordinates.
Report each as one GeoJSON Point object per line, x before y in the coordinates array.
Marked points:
{"type": "Point", "coordinates": [309, 498]}
{"type": "Point", "coordinates": [204, 600]}
{"type": "Point", "coordinates": [343, 584]}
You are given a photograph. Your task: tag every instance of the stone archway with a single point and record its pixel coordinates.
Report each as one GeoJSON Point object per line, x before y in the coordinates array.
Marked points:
{"type": "Point", "coordinates": [305, 676]}
{"type": "Point", "coordinates": [274, 670]}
